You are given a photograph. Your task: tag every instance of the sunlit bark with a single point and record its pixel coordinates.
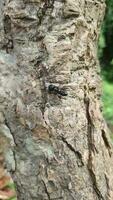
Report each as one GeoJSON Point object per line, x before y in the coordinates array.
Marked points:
{"type": "Point", "coordinates": [50, 100]}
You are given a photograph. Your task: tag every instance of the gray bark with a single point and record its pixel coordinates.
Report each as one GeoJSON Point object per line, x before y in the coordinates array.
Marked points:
{"type": "Point", "coordinates": [59, 144]}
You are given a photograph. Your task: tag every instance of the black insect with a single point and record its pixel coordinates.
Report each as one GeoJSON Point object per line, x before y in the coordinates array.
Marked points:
{"type": "Point", "coordinates": [56, 90]}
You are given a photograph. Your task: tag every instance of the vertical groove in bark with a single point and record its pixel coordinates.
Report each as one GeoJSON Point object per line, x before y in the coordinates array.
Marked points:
{"type": "Point", "coordinates": [92, 149]}
{"type": "Point", "coordinates": [107, 142]}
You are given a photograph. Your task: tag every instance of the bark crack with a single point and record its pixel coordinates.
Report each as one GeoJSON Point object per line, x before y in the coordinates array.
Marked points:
{"type": "Point", "coordinates": [14, 154]}
{"type": "Point", "coordinates": [8, 34]}
{"type": "Point", "coordinates": [106, 142]}
{"type": "Point", "coordinates": [46, 191]}
{"type": "Point", "coordinates": [77, 153]}
{"type": "Point", "coordinates": [7, 124]}
{"type": "Point", "coordinates": [42, 11]}
{"type": "Point", "coordinates": [107, 184]}
{"type": "Point", "coordinates": [92, 148]}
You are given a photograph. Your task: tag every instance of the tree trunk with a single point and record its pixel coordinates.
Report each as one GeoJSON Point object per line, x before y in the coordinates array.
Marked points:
{"type": "Point", "coordinates": [50, 100]}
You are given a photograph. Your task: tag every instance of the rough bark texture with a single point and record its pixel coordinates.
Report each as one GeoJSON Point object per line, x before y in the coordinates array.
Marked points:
{"type": "Point", "coordinates": [59, 145]}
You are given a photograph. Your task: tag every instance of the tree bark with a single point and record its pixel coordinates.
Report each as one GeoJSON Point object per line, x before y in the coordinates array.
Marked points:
{"type": "Point", "coordinates": [50, 100]}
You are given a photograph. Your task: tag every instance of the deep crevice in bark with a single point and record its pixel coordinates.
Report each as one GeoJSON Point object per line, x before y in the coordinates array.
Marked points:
{"type": "Point", "coordinates": [46, 191]}
{"type": "Point", "coordinates": [7, 124]}
{"type": "Point", "coordinates": [8, 46]}
{"type": "Point", "coordinates": [77, 153]}
{"type": "Point", "coordinates": [106, 142]}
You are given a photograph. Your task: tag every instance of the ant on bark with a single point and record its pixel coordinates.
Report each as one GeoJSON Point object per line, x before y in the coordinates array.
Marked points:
{"type": "Point", "coordinates": [52, 89]}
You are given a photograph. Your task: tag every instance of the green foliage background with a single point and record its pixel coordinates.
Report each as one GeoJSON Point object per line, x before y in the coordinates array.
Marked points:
{"type": "Point", "coordinates": [105, 53]}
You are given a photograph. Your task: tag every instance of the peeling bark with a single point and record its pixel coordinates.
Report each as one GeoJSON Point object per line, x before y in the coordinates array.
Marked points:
{"type": "Point", "coordinates": [56, 141]}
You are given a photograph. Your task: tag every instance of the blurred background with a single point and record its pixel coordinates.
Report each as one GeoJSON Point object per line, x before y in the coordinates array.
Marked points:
{"type": "Point", "coordinates": [105, 54]}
